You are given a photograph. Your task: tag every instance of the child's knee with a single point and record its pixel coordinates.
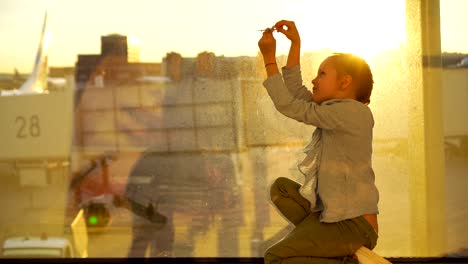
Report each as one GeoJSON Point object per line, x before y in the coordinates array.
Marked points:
{"type": "Point", "coordinates": [280, 182]}
{"type": "Point", "coordinates": [275, 189]}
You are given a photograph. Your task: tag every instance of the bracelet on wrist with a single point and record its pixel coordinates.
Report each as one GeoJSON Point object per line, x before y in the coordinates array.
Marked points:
{"type": "Point", "coordinates": [270, 63]}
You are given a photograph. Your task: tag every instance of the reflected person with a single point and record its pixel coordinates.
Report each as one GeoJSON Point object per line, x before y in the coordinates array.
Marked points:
{"type": "Point", "coordinates": [151, 197]}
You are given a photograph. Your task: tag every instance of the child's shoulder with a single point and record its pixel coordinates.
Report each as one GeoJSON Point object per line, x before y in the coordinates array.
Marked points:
{"type": "Point", "coordinates": [349, 107]}
{"type": "Point", "coordinates": [346, 103]}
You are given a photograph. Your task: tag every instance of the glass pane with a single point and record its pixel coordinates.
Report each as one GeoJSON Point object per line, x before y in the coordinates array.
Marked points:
{"type": "Point", "coordinates": [454, 96]}
{"type": "Point", "coordinates": [155, 137]}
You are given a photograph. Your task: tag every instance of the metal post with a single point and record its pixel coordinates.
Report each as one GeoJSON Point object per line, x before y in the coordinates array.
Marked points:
{"type": "Point", "coordinates": [425, 138]}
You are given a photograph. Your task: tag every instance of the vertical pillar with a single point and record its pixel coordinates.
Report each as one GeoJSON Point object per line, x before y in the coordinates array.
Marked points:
{"type": "Point", "coordinates": [425, 138]}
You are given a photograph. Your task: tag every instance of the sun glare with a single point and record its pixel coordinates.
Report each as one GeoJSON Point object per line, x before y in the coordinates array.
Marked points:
{"type": "Point", "coordinates": [351, 27]}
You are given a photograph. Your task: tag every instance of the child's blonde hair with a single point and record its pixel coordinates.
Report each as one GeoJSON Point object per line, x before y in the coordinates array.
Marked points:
{"type": "Point", "coordinates": [359, 70]}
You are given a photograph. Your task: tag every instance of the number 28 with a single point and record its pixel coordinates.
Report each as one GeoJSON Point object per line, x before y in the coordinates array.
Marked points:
{"type": "Point", "coordinates": [25, 128]}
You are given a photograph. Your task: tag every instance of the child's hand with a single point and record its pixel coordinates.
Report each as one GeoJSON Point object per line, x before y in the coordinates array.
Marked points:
{"type": "Point", "coordinates": [290, 31]}
{"type": "Point", "coordinates": [267, 45]}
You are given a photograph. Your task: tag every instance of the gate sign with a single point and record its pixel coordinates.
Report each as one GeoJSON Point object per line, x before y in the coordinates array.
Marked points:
{"type": "Point", "coordinates": [36, 126]}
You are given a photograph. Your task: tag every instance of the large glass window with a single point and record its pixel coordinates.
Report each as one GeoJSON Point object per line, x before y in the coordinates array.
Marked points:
{"type": "Point", "coordinates": [152, 135]}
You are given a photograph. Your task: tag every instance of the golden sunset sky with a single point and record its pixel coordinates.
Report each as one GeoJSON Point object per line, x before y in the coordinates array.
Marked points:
{"type": "Point", "coordinates": [224, 27]}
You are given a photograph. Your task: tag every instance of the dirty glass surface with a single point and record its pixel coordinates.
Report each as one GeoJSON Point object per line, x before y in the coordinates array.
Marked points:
{"type": "Point", "coordinates": [152, 135]}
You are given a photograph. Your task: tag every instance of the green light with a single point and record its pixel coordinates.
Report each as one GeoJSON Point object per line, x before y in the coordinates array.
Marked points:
{"type": "Point", "coordinates": [93, 220]}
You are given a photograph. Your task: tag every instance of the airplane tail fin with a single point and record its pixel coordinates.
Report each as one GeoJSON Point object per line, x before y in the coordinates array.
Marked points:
{"type": "Point", "coordinates": [37, 81]}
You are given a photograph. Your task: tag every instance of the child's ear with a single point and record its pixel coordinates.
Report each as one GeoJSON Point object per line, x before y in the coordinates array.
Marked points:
{"type": "Point", "coordinates": [346, 81]}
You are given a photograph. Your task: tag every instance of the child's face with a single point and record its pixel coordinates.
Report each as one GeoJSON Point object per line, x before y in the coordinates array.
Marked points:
{"type": "Point", "coordinates": [326, 85]}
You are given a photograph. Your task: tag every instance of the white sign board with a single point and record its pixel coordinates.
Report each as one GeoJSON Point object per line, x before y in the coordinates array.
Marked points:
{"type": "Point", "coordinates": [36, 126]}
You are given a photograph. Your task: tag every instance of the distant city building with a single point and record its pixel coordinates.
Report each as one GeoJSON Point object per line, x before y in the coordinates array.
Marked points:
{"type": "Point", "coordinates": [172, 66]}
{"type": "Point", "coordinates": [118, 63]}
{"type": "Point", "coordinates": [61, 72]}
{"type": "Point", "coordinates": [208, 65]}
{"type": "Point", "coordinates": [120, 47]}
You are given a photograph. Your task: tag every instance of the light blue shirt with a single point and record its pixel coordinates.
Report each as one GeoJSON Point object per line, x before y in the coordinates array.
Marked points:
{"type": "Point", "coordinates": [339, 179]}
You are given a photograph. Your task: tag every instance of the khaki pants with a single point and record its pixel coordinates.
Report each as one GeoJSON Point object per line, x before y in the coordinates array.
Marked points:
{"type": "Point", "coordinates": [312, 241]}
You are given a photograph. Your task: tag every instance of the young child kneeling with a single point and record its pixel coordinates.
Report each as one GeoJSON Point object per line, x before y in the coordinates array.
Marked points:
{"type": "Point", "coordinates": [335, 210]}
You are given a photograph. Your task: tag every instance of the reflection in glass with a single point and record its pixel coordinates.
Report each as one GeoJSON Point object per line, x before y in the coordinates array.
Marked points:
{"type": "Point", "coordinates": [195, 139]}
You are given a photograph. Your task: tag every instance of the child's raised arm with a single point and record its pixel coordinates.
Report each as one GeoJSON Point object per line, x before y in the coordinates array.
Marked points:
{"type": "Point", "coordinates": [289, 29]}
{"type": "Point", "coordinates": [267, 45]}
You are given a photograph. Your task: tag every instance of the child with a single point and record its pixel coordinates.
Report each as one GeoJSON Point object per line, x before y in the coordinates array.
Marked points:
{"type": "Point", "coordinates": [335, 210]}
